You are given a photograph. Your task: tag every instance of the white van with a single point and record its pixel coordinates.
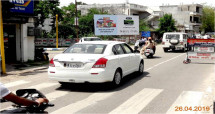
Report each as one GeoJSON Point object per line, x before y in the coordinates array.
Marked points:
{"type": "Point", "coordinates": [174, 41]}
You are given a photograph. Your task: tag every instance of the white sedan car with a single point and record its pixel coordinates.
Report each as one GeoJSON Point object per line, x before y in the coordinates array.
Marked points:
{"type": "Point", "coordinates": [95, 62]}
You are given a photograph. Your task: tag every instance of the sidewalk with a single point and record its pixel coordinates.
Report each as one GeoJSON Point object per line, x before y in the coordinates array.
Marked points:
{"type": "Point", "coordinates": [20, 68]}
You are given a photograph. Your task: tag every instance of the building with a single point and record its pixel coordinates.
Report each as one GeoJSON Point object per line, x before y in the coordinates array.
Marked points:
{"type": "Point", "coordinates": [18, 30]}
{"type": "Point", "coordinates": [188, 17]}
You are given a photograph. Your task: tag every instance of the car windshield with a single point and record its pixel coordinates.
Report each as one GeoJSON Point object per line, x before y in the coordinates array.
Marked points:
{"type": "Point", "coordinates": [86, 49]}
{"type": "Point", "coordinates": [172, 36]}
{"type": "Point", "coordinates": [92, 39]}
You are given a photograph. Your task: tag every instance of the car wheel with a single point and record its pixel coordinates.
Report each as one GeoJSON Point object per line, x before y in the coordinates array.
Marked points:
{"type": "Point", "coordinates": [141, 68]}
{"type": "Point", "coordinates": [64, 84]}
{"type": "Point", "coordinates": [117, 78]}
{"type": "Point", "coordinates": [165, 50]}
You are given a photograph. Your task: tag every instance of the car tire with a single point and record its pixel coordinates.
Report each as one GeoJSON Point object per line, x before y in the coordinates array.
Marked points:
{"type": "Point", "coordinates": [165, 50]}
{"type": "Point", "coordinates": [64, 84]}
{"type": "Point", "coordinates": [117, 78]}
{"type": "Point", "coordinates": [141, 68]}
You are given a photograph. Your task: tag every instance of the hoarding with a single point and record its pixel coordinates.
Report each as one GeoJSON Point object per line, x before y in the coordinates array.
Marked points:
{"type": "Point", "coordinates": [204, 56]}
{"type": "Point", "coordinates": [146, 34]}
{"type": "Point", "coordinates": [116, 25]}
{"type": "Point", "coordinates": [23, 6]}
{"type": "Point", "coordinates": [201, 42]}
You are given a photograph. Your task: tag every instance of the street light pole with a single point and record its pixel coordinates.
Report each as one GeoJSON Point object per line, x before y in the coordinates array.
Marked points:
{"type": "Point", "coordinates": [57, 31]}
{"type": "Point", "coordinates": [76, 19]}
{"type": "Point", "coordinates": [2, 40]}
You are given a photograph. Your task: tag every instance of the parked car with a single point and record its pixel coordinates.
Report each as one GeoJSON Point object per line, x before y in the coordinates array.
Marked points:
{"type": "Point", "coordinates": [95, 62]}
{"type": "Point", "coordinates": [84, 39]}
{"type": "Point", "coordinates": [174, 41]}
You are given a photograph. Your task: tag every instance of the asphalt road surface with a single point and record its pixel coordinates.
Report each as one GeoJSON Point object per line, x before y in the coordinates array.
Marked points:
{"type": "Point", "coordinates": [167, 86]}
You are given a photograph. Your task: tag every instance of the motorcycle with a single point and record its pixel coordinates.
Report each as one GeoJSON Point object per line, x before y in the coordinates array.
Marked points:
{"type": "Point", "coordinates": [149, 53]}
{"type": "Point", "coordinates": [41, 55]}
{"type": "Point", "coordinates": [31, 94]}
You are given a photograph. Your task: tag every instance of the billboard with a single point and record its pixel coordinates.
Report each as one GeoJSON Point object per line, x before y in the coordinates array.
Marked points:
{"type": "Point", "coordinates": [23, 6]}
{"type": "Point", "coordinates": [116, 25]}
{"type": "Point", "coordinates": [146, 34]}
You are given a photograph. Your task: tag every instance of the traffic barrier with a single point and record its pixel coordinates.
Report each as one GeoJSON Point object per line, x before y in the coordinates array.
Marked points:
{"type": "Point", "coordinates": [203, 49]}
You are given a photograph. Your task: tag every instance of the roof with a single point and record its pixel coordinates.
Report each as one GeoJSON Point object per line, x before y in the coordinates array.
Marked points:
{"type": "Point", "coordinates": [90, 37]}
{"type": "Point", "coordinates": [175, 33]}
{"type": "Point", "coordinates": [100, 42]}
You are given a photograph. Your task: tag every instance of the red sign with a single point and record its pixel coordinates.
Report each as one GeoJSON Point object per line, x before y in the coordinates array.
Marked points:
{"type": "Point", "coordinates": [192, 41]}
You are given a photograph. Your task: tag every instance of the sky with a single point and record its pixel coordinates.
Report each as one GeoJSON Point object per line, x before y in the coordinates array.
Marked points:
{"type": "Point", "coordinates": [142, 2]}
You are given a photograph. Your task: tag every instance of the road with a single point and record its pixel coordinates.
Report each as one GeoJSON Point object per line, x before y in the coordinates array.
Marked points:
{"type": "Point", "coordinates": [166, 85]}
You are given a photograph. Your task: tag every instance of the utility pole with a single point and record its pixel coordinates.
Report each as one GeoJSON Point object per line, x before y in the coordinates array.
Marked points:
{"type": "Point", "coordinates": [56, 30]}
{"type": "Point", "coordinates": [2, 40]}
{"type": "Point", "coordinates": [76, 19]}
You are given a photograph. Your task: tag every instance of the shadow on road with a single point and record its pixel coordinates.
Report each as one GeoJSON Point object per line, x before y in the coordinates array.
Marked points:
{"type": "Point", "coordinates": [154, 57]}
{"type": "Point", "coordinates": [103, 87]}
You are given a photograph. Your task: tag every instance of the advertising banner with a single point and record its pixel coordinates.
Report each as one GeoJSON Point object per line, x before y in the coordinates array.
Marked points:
{"type": "Point", "coordinates": [205, 56]}
{"type": "Point", "coordinates": [116, 25]}
{"type": "Point", "coordinates": [204, 49]}
{"type": "Point", "coordinates": [146, 34]}
{"type": "Point", "coordinates": [23, 6]}
{"type": "Point", "coordinates": [201, 42]}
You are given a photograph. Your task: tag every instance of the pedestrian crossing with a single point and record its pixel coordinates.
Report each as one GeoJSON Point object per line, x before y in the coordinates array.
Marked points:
{"type": "Point", "coordinates": [133, 104]}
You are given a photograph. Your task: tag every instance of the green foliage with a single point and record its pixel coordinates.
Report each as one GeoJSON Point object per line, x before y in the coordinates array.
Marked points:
{"type": "Point", "coordinates": [46, 8]}
{"type": "Point", "coordinates": [208, 19]}
{"type": "Point", "coordinates": [86, 23]}
{"type": "Point", "coordinates": [167, 24]}
{"type": "Point", "coordinates": [143, 26]}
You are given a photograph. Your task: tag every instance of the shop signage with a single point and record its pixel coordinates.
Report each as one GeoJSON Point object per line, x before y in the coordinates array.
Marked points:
{"type": "Point", "coordinates": [23, 6]}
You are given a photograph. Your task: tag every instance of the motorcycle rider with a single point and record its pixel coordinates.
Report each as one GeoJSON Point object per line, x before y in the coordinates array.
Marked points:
{"type": "Point", "coordinates": [149, 44]}
{"type": "Point", "coordinates": [9, 96]}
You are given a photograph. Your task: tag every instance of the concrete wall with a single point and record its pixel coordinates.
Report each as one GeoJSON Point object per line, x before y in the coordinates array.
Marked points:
{"type": "Point", "coordinates": [27, 44]}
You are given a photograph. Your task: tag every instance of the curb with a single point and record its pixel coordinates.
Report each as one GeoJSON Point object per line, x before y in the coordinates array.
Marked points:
{"type": "Point", "coordinates": [54, 49]}
{"type": "Point", "coordinates": [26, 71]}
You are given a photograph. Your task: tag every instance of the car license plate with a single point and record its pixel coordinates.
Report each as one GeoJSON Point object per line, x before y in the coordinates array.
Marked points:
{"type": "Point", "coordinates": [73, 65]}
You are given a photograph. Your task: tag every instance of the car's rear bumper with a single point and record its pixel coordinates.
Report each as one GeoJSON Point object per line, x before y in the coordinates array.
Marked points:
{"type": "Point", "coordinates": [176, 47]}
{"type": "Point", "coordinates": [92, 76]}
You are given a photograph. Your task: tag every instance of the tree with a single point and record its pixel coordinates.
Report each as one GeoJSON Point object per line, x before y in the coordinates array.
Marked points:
{"type": "Point", "coordinates": [46, 8]}
{"type": "Point", "coordinates": [208, 19]}
{"type": "Point", "coordinates": [167, 24]}
{"type": "Point", "coordinates": [86, 23]}
{"type": "Point", "coordinates": [143, 26]}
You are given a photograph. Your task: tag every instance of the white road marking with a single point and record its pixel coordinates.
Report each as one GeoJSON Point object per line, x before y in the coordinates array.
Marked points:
{"type": "Point", "coordinates": [43, 85]}
{"type": "Point", "coordinates": [77, 106]}
{"type": "Point", "coordinates": [164, 62]}
{"type": "Point", "coordinates": [16, 83]}
{"type": "Point", "coordinates": [186, 99]}
{"type": "Point", "coordinates": [136, 103]}
{"type": "Point", "coordinates": [54, 95]}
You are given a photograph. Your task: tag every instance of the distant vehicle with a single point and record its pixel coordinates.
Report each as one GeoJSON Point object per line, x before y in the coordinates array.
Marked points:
{"type": "Point", "coordinates": [149, 53]}
{"type": "Point", "coordinates": [174, 41]}
{"type": "Point", "coordinates": [95, 62]}
{"type": "Point", "coordinates": [210, 33]}
{"type": "Point", "coordinates": [84, 39]}
{"type": "Point", "coordinates": [198, 36]}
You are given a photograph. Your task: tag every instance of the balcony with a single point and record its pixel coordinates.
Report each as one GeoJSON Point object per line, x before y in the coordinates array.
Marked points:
{"type": "Point", "coordinates": [196, 23]}
{"type": "Point", "coordinates": [195, 13]}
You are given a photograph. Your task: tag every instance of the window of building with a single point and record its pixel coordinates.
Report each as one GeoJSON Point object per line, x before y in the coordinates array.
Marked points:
{"type": "Point", "coordinates": [197, 9]}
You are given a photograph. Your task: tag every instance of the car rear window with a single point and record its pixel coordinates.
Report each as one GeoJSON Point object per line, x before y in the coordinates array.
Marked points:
{"type": "Point", "coordinates": [172, 36]}
{"type": "Point", "coordinates": [86, 49]}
